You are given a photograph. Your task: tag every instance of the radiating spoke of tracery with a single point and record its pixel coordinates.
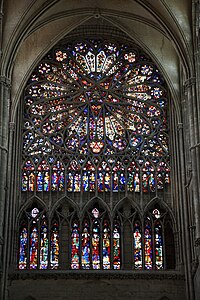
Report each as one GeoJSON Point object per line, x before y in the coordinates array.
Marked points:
{"type": "Point", "coordinates": [95, 98]}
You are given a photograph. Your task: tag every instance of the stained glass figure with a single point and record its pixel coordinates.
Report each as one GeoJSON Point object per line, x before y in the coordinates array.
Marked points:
{"type": "Point", "coordinates": [43, 177]}
{"type": "Point", "coordinates": [116, 246]}
{"type": "Point", "coordinates": [28, 177]}
{"type": "Point", "coordinates": [106, 245]}
{"type": "Point", "coordinates": [96, 245]}
{"type": "Point", "coordinates": [158, 245]}
{"type": "Point", "coordinates": [75, 246]}
{"type": "Point", "coordinates": [33, 246]}
{"type": "Point", "coordinates": [23, 247]}
{"type": "Point", "coordinates": [156, 213]}
{"type": "Point", "coordinates": [85, 182]}
{"type": "Point", "coordinates": [137, 237]}
{"type": "Point", "coordinates": [44, 244]}
{"type": "Point", "coordinates": [148, 245]}
{"type": "Point", "coordinates": [95, 98]}
{"type": "Point", "coordinates": [54, 246]}
{"type": "Point", "coordinates": [95, 212]}
{"type": "Point", "coordinates": [85, 255]}
{"type": "Point", "coordinates": [107, 182]}
{"type": "Point", "coordinates": [34, 212]}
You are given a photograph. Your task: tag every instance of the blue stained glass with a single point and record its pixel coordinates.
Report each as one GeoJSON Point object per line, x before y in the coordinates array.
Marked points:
{"type": "Point", "coordinates": [85, 182]}
{"type": "Point", "coordinates": [137, 236]}
{"type": "Point", "coordinates": [115, 105]}
{"type": "Point", "coordinates": [33, 247]}
{"type": "Point", "coordinates": [23, 248]}
{"type": "Point", "coordinates": [39, 181]}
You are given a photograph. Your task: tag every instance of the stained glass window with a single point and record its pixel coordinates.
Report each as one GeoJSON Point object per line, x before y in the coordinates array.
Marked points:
{"type": "Point", "coordinates": [158, 245]}
{"type": "Point", "coordinates": [116, 246]}
{"type": "Point", "coordinates": [95, 124]}
{"type": "Point", "coordinates": [23, 240]}
{"type": "Point", "coordinates": [86, 245]}
{"type": "Point", "coordinates": [34, 237]}
{"type": "Point", "coordinates": [75, 242]}
{"type": "Point", "coordinates": [54, 246]}
{"type": "Point", "coordinates": [95, 251]}
{"type": "Point", "coordinates": [137, 238]}
{"type": "Point", "coordinates": [96, 245]}
{"type": "Point", "coordinates": [44, 244]}
{"type": "Point", "coordinates": [152, 238]}
{"type": "Point", "coordinates": [148, 245]}
{"type": "Point", "coordinates": [90, 99]}
{"type": "Point", "coordinates": [33, 247]}
{"type": "Point", "coordinates": [106, 245]}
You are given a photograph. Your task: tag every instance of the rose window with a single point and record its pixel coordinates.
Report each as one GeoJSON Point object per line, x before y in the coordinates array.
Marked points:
{"type": "Point", "coordinates": [95, 120]}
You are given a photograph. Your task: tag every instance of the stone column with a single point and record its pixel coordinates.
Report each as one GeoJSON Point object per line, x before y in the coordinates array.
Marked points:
{"type": "Point", "coordinates": [4, 129]}
{"type": "Point", "coordinates": [183, 202]}
{"type": "Point", "coordinates": [193, 128]}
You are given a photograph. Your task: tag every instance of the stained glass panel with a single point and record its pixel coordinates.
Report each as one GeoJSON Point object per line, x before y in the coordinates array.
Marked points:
{"type": "Point", "coordinates": [85, 259]}
{"type": "Point", "coordinates": [137, 237]}
{"type": "Point", "coordinates": [106, 246]}
{"type": "Point", "coordinates": [148, 245]}
{"type": "Point", "coordinates": [34, 247]}
{"type": "Point", "coordinates": [116, 246]}
{"type": "Point", "coordinates": [95, 98]}
{"type": "Point", "coordinates": [158, 245]}
{"type": "Point", "coordinates": [23, 247]}
{"type": "Point", "coordinates": [54, 246]}
{"type": "Point", "coordinates": [75, 248]}
{"type": "Point", "coordinates": [96, 245]}
{"type": "Point", "coordinates": [44, 244]}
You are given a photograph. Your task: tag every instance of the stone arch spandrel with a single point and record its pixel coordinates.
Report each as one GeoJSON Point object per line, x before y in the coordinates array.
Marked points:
{"type": "Point", "coordinates": [39, 42]}
{"type": "Point", "coordinates": [161, 50]}
{"type": "Point", "coordinates": [33, 49]}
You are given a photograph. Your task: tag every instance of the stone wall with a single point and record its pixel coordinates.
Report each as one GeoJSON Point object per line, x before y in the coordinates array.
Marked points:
{"type": "Point", "coordinates": [92, 286]}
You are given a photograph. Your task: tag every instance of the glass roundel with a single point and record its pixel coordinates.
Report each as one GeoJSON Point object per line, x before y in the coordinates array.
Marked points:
{"type": "Point", "coordinates": [95, 113]}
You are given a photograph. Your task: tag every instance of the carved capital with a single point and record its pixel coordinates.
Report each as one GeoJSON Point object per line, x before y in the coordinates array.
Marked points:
{"type": "Point", "coordinates": [3, 148]}
{"type": "Point", "coordinates": [12, 126]}
{"type": "Point", "coordinates": [195, 146]}
{"type": "Point", "coordinates": [189, 82]}
{"type": "Point", "coordinates": [1, 241]}
{"type": "Point", "coordinates": [5, 81]}
{"type": "Point", "coordinates": [197, 242]}
{"type": "Point", "coordinates": [180, 126]}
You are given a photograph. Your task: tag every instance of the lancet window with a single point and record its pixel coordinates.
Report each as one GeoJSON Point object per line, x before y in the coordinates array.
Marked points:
{"type": "Point", "coordinates": [95, 125]}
